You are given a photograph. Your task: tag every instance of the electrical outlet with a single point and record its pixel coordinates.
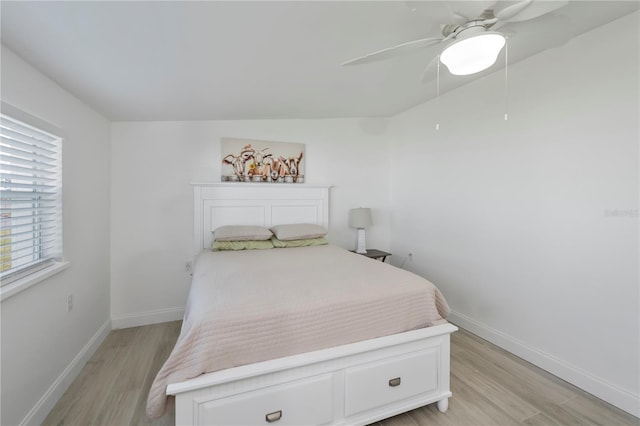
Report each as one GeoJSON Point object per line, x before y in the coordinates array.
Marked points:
{"type": "Point", "coordinates": [69, 302]}
{"type": "Point", "coordinates": [188, 266]}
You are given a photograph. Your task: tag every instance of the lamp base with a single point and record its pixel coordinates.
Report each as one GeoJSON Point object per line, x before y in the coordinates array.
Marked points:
{"type": "Point", "coordinates": [362, 243]}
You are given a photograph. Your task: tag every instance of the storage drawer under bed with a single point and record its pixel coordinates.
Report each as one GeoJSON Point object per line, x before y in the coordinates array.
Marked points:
{"type": "Point", "coordinates": [383, 382]}
{"type": "Point", "coordinates": [303, 402]}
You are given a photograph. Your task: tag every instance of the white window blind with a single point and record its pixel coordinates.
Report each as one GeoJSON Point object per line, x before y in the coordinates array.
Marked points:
{"type": "Point", "coordinates": [31, 201]}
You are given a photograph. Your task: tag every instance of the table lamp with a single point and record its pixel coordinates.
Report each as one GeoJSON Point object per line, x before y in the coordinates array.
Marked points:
{"type": "Point", "coordinates": [360, 218]}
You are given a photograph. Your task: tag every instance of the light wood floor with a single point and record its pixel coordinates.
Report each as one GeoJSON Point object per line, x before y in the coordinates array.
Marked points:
{"type": "Point", "coordinates": [490, 387]}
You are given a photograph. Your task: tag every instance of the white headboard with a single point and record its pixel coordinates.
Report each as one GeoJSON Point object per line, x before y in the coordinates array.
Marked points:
{"type": "Point", "coordinates": [264, 204]}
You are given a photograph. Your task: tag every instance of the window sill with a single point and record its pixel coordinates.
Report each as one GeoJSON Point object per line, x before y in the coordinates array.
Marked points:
{"type": "Point", "coordinates": [24, 283]}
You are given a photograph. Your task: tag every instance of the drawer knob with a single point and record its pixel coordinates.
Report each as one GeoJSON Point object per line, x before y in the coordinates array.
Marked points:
{"type": "Point", "coordinates": [273, 417]}
{"type": "Point", "coordinates": [395, 382]}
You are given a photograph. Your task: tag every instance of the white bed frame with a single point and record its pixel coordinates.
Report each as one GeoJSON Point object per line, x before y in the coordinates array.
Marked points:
{"type": "Point", "coordinates": [354, 384]}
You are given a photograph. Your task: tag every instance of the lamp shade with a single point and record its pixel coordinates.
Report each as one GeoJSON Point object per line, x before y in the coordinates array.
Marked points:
{"type": "Point", "coordinates": [360, 218]}
{"type": "Point", "coordinates": [472, 54]}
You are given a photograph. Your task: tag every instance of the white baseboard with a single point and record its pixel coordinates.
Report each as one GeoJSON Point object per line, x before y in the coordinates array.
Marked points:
{"type": "Point", "coordinates": [42, 408]}
{"type": "Point", "coordinates": [146, 318]}
{"type": "Point", "coordinates": [613, 394]}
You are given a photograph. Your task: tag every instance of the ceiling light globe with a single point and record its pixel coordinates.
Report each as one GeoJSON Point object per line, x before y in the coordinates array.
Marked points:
{"type": "Point", "coordinates": [472, 54]}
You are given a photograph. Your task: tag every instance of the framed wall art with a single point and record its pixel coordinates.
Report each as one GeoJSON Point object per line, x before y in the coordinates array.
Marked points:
{"type": "Point", "coordinates": [249, 160]}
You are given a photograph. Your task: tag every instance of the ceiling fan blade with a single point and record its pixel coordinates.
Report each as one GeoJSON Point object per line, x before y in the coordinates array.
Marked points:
{"type": "Point", "coordinates": [395, 51]}
{"type": "Point", "coordinates": [531, 10]}
{"type": "Point", "coordinates": [464, 11]}
{"type": "Point", "coordinates": [431, 11]}
{"type": "Point", "coordinates": [498, 25]}
{"type": "Point", "coordinates": [510, 11]}
{"type": "Point", "coordinates": [458, 18]}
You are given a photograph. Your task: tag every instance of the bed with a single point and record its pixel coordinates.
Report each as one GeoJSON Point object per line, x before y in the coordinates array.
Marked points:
{"type": "Point", "coordinates": [277, 336]}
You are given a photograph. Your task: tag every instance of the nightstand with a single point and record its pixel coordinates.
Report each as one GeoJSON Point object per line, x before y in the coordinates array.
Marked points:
{"type": "Point", "coordinates": [376, 254]}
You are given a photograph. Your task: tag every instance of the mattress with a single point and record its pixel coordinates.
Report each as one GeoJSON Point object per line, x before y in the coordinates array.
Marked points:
{"type": "Point", "coordinates": [255, 305]}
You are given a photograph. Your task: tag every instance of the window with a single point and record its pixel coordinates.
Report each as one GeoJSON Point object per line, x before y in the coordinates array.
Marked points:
{"type": "Point", "coordinates": [31, 201]}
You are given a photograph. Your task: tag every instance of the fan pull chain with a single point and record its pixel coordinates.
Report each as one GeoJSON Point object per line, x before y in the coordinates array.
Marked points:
{"type": "Point", "coordinates": [438, 95]}
{"type": "Point", "coordinates": [506, 79]}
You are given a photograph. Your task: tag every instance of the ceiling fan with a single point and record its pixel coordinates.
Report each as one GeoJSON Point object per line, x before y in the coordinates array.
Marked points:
{"type": "Point", "coordinates": [474, 43]}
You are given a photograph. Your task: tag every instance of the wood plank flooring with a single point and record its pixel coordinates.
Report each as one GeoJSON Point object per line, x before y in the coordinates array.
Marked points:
{"type": "Point", "coordinates": [489, 385]}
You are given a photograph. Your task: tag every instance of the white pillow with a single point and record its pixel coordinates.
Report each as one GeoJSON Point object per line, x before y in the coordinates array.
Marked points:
{"type": "Point", "coordinates": [241, 233]}
{"type": "Point", "coordinates": [298, 231]}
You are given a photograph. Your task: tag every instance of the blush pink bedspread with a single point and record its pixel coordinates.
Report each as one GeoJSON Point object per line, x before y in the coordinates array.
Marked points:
{"type": "Point", "coordinates": [251, 306]}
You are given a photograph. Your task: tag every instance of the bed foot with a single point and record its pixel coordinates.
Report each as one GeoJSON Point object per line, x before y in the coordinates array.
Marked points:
{"type": "Point", "coordinates": [443, 405]}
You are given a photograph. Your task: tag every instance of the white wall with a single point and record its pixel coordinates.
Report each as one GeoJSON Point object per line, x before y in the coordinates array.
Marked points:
{"type": "Point", "coordinates": [514, 220]}
{"type": "Point", "coordinates": [153, 164]}
{"type": "Point", "coordinates": [43, 346]}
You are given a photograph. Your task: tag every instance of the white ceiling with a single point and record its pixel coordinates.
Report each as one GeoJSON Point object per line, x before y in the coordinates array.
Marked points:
{"type": "Point", "coordinates": [259, 59]}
